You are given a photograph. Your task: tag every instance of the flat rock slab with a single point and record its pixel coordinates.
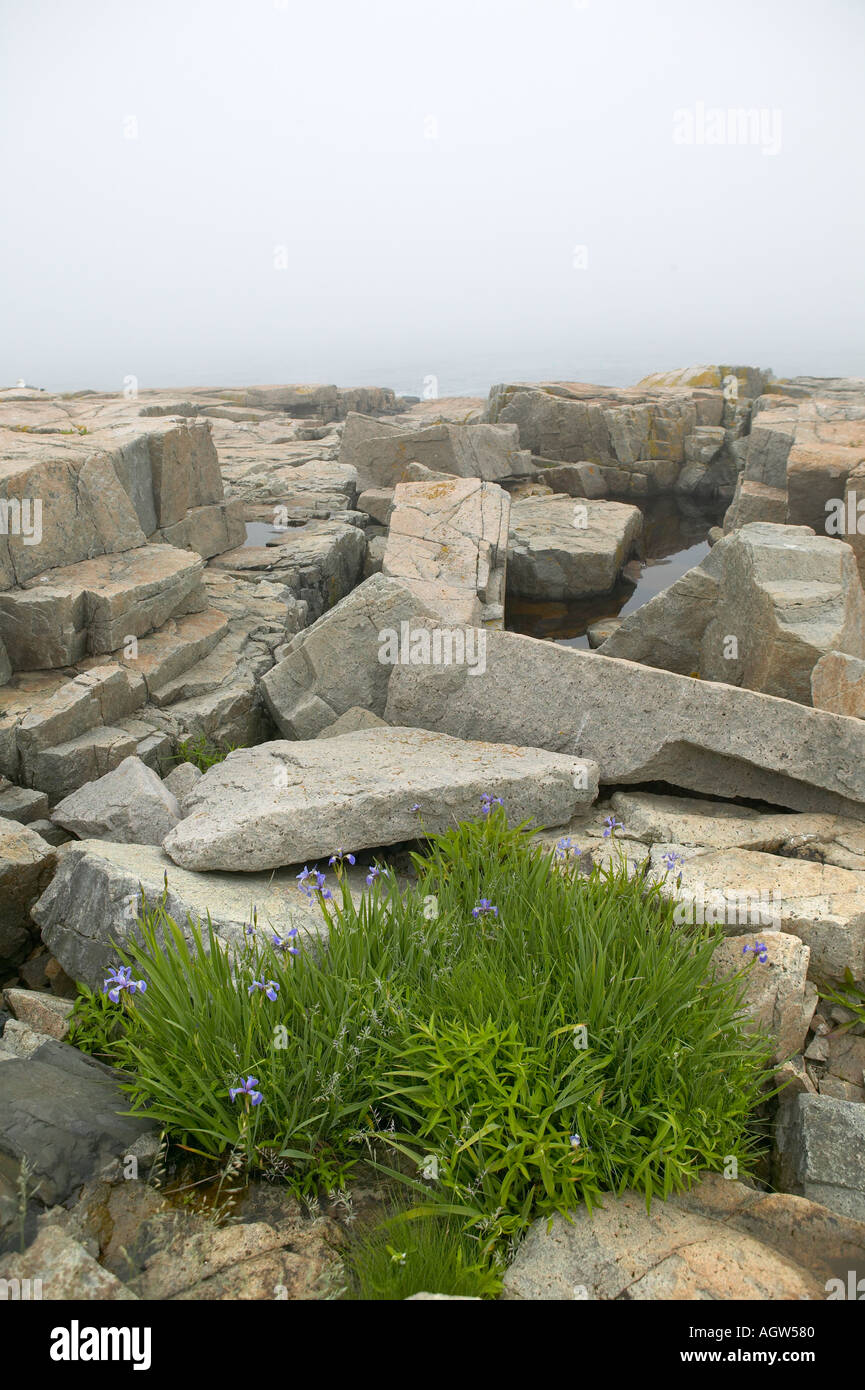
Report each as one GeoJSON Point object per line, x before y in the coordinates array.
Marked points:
{"type": "Point", "coordinates": [282, 802]}
{"type": "Point", "coordinates": [561, 549]}
{"type": "Point", "coordinates": [59, 1110]}
{"type": "Point", "coordinates": [721, 1240]}
{"type": "Point", "coordinates": [94, 899]}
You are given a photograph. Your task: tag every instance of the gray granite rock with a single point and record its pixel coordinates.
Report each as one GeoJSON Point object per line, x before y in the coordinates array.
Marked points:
{"type": "Point", "coordinates": [283, 802]}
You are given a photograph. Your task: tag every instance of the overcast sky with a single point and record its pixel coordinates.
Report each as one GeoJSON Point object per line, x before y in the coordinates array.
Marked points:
{"type": "Point", "coordinates": [375, 191]}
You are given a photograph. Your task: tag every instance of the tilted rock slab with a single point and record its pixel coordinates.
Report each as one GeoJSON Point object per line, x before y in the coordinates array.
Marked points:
{"type": "Point", "coordinates": [340, 662]}
{"type": "Point", "coordinates": [94, 900]}
{"type": "Point", "coordinates": [283, 802]}
{"type": "Point", "coordinates": [640, 724]}
{"type": "Point", "coordinates": [788, 597]}
{"type": "Point", "coordinates": [448, 541]}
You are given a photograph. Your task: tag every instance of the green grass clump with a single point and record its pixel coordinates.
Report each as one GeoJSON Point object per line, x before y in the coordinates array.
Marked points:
{"type": "Point", "coordinates": [402, 1257]}
{"type": "Point", "coordinates": [203, 752]}
{"type": "Point", "coordinates": [94, 1023]}
{"type": "Point", "coordinates": [500, 1066]}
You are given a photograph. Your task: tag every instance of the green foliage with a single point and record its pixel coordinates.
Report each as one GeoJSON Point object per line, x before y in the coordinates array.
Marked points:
{"type": "Point", "coordinates": [499, 1067]}
{"type": "Point", "coordinates": [402, 1257]}
{"type": "Point", "coordinates": [852, 997]}
{"type": "Point", "coordinates": [95, 1023]}
{"type": "Point", "coordinates": [203, 752]}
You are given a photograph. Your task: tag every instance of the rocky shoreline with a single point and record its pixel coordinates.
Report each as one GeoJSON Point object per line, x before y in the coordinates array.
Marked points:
{"type": "Point", "coordinates": [358, 664]}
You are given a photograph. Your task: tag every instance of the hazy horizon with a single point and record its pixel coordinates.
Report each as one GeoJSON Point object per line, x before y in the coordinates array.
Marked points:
{"type": "Point", "coordinates": [208, 194]}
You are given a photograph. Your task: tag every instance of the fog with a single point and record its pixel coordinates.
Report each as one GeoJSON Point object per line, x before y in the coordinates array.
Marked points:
{"type": "Point", "coordinates": [371, 193]}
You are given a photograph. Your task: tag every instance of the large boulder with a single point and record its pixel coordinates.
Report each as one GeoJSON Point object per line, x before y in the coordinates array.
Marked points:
{"type": "Point", "coordinates": [722, 1240]}
{"type": "Point", "coordinates": [821, 1152]}
{"type": "Point", "coordinates": [131, 804]}
{"type": "Point", "coordinates": [94, 606]}
{"type": "Point", "coordinates": [61, 1113]}
{"type": "Point", "coordinates": [380, 451]}
{"type": "Point", "coordinates": [283, 802]}
{"type": "Point", "coordinates": [787, 597]}
{"type": "Point", "coordinates": [766, 604]}
{"type": "Point", "coordinates": [640, 724]}
{"type": "Point", "coordinates": [562, 549]}
{"type": "Point", "coordinates": [94, 901]}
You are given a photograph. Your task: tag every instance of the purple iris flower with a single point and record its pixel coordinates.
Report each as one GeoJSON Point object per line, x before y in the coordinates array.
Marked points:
{"type": "Point", "coordinates": [281, 943]}
{"type": "Point", "coordinates": [484, 908]}
{"type": "Point", "coordinates": [564, 847]}
{"type": "Point", "coordinates": [671, 860]}
{"type": "Point", "coordinates": [338, 856]}
{"type": "Point", "coordinates": [247, 1089]}
{"type": "Point", "coordinates": [268, 987]}
{"type": "Point", "coordinates": [374, 873]}
{"type": "Point", "coordinates": [611, 826]}
{"type": "Point", "coordinates": [122, 982]}
{"type": "Point", "coordinates": [488, 802]}
{"type": "Point", "coordinates": [760, 951]}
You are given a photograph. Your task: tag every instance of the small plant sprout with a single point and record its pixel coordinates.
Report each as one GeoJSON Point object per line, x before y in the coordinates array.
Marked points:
{"type": "Point", "coordinates": [269, 988]}
{"type": "Point", "coordinates": [489, 803]}
{"type": "Point", "coordinates": [248, 1091]}
{"type": "Point", "coordinates": [485, 908]}
{"type": "Point", "coordinates": [283, 943]}
{"type": "Point", "coordinates": [121, 982]}
{"type": "Point", "coordinates": [760, 951]}
{"type": "Point", "coordinates": [611, 825]}
{"type": "Point", "coordinates": [338, 856]}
